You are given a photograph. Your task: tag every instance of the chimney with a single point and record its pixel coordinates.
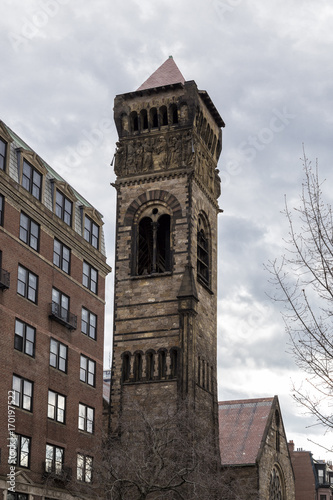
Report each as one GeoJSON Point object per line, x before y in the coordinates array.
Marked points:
{"type": "Point", "coordinates": [291, 446]}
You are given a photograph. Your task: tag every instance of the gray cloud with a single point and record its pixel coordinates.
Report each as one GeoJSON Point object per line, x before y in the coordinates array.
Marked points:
{"type": "Point", "coordinates": [267, 67]}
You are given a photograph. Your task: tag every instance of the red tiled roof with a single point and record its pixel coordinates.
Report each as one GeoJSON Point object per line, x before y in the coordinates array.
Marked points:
{"type": "Point", "coordinates": [241, 427]}
{"type": "Point", "coordinates": [166, 74]}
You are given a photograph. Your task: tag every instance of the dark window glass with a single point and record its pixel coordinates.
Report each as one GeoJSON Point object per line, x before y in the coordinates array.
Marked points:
{"type": "Point", "coordinates": [62, 302]}
{"type": "Point", "coordinates": [91, 232]}
{"type": "Point", "coordinates": [22, 456]}
{"type": "Point", "coordinates": [56, 407]}
{"type": "Point", "coordinates": [90, 276]}
{"type": "Point", "coordinates": [174, 363]}
{"type": "Point", "coordinates": [54, 459]}
{"type": "Point", "coordinates": [61, 256]}
{"type": "Point", "coordinates": [137, 367]}
{"type": "Point", "coordinates": [32, 180]}
{"type": "Point", "coordinates": [202, 256]}
{"type": "Point", "coordinates": [86, 418]}
{"type": "Point", "coordinates": [24, 339]}
{"type": "Point", "coordinates": [164, 115]}
{"type": "Point", "coordinates": [27, 284]}
{"type": "Point", "coordinates": [87, 370]}
{"type": "Point", "coordinates": [16, 496]}
{"type": "Point", "coordinates": [174, 113]}
{"type": "Point", "coordinates": [84, 468]}
{"type": "Point", "coordinates": [22, 392]}
{"type": "Point", "coordinates": [126, 367]}
{"type": "Point", "coordinates": [150, 365]}
{"type": "Point", "coordinates": [154, 245]}
{"type": "Point", "coordinates": [3, 151]}
{"type": "Point", "coordinates": [64, 208]}
{"type": "Point", "coordinates": [88, 323]}
{"type": "Point", "coordinates": [144, 119]}
{"type": "Point", "coordinates": [153, 118]}
{"type": "Point", "coordinates": [161, 364]}
{"type": "Point", "coordinates": [29, 231]}
{"type": "Point", "coordinates": [58, 355]}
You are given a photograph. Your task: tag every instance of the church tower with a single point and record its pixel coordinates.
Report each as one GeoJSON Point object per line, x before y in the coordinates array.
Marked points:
{"type": "Point", "coordinates": [164, 344]}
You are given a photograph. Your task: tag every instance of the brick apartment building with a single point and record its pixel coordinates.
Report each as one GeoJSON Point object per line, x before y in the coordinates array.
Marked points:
{"type": "Point", "coordinates": [313, 478]}
{"type": "Point", "coordinates": [52, 286]}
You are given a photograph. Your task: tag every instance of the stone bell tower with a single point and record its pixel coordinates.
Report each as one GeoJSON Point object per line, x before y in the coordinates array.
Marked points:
{"type": "Point", "coordinates": [164, 344]}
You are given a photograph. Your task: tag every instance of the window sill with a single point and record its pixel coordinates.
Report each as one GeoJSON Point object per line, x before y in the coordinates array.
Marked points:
{"type": "Point", "coordinates": [205, 285]}
{"type": "Point", "coordinates": [153, 275]}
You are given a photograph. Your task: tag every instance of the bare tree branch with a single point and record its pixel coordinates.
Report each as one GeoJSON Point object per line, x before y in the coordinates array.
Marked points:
{"type": "Point", "coordinates": [303, 282]}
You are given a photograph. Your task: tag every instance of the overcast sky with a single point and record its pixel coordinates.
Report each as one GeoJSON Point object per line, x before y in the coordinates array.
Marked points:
{"type": "Point", "coordinates": [268, 67]}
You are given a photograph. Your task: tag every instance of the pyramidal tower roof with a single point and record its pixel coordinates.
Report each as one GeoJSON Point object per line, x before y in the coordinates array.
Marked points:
{"type": "Point", "coordinates": [167, 74]}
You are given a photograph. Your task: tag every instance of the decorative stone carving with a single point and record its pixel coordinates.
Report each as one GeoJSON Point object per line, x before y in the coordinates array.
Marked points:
{"type": "Point", "coordinates": [162, 152]}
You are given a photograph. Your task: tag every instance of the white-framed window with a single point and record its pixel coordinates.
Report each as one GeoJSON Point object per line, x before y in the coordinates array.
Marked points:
{"type": "Point", "coordinates": [88, 323]}
{"type": "Point", "coordinates": [86, 418]}
{"type": "Point", "coordinates": [87, 370]}
{"type": "Point", "coordinates": [23, 390]}
{"type": "Point", "coordinates": [56, 407]}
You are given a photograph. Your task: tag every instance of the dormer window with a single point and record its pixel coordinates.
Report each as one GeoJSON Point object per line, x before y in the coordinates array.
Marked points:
{"type": "Point", "coordinates": [32, 180]}
{"type": "Point", "coordinates": [91, 232]}
{"type": "Point", "coordinates": [31, 171]}
{"type": "Point", "coordinates": [63, 208]}
{"type": "Point", "coordinates": [3, 154]}
{"type": "Point", "coordinates": [5, 141]}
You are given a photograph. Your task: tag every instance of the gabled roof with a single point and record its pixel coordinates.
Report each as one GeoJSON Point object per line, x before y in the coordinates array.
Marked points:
{"type": "Point", "coordinates": [242, 426]}
{"type": "Point", "coordinates": [167, 74]}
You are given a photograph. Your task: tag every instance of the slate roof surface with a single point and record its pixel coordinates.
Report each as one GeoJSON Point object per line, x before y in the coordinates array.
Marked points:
{"type": "Point", "coordinates": [242, 424]}
{"type": "Point", "coordinates": [167, 74]}
{"type": "Point", "coordinates": [50, 170]}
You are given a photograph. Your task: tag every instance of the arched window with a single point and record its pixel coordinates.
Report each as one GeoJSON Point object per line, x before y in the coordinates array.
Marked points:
{"type": "Point", "coordinates": [204, 128]}
{"type": "Point", "coordinates": [207, 135]}
{"type": "Point", "coordinates": [150, 365]}
{"type": "Point", "coordinates": [153, 118]}
{"type": "Point", "coordinates": [276, 486]}
{"type": "Point", "coordinates": [144, 119]}
{"type": "Point", "coordinates": [161, 364]}
{"type": "Point", "coordinates": [218, 149]}
{"type": "Point", "coordinates": [126, 371]}
{"type": "Point", "coordinates": [174, 362]}
{"type": "Point", "coordinates": [145, 244]}
{"type": "Point", "coordinates": [154, 243]}
{"type": "Point", "coordinates": [137, 366]}
{"type": "Point", "coordinates": [134, 121]}
{"type": "Point", "coordinates": [164, 115]}
{"type": "Point", "coordinates": [214, 145]}
{"type": "Point", "coordinates": [174, 114]}
{"type": "Point", "coordinates": [202, 252]}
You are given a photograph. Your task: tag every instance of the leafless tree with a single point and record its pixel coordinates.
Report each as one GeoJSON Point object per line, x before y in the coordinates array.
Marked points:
{"type": "Point", "coordinates": [303, 281]}
{"type": "Point", "coordinates": [164, 457]}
